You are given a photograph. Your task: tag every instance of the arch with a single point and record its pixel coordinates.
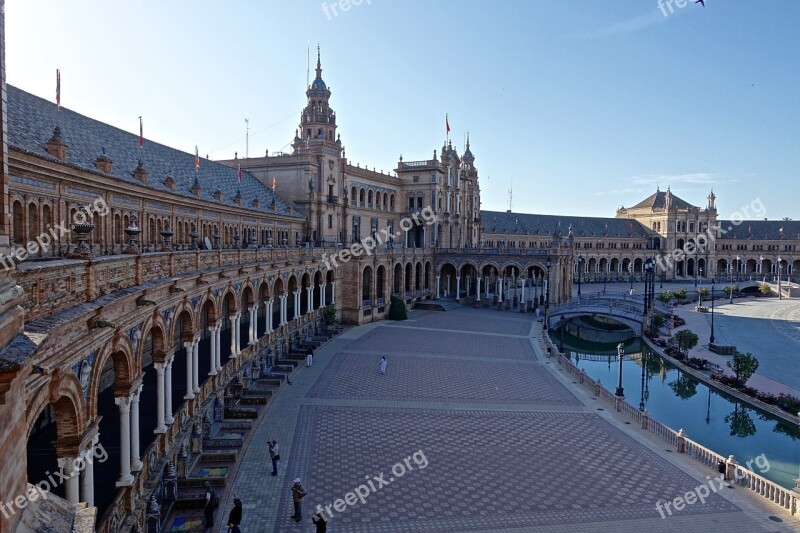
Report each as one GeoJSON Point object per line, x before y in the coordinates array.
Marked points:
{"type": "Point", "coordinates": [156, 328]}
{"type": "Point", "coordinates": [380, 282]}
{"type": "Point", "coordinates": [66, 396]}
{"type": "Point", "coordinates": [397, 287]}
{"type": "Point", "coordinates": [366, 285]}
{"type": "Point", "coordinates": [247, 298]}
{"type": "Point", "coordinates": [513, 264]}
{"type": "Point", "coordinates": [18, 216]}
{"type": "Point", "coordinates": [190, 326]}
{"type": "Point", "coordinates": [118, 349]}
{"type": "Point", "coordinates": [229, 297]}
{"type": "Point", "coordinates": [207, 299]}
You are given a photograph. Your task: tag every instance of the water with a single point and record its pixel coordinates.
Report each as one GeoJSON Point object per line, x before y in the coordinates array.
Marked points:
{"type": "Point", "coordinates": [712, 419]}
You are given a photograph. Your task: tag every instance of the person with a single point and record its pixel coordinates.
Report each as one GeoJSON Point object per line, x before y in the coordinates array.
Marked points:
{"type": "Point", "coordinates": [208, 508]}
{"type": "Point", "coordinates": [310, 357]}
{"type": "Point", "coordinates": [298, 493]}
{"type": "Point", "coordinates": [383, 365]}
{"type": "Point", "coordinates": [235, 516]}
{"type": "Point", "coordinates": [319, 520]}
{"type": "Point", "coordinates": [274, 455]}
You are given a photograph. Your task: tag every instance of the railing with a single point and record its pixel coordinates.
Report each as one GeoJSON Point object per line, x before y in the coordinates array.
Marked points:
{"type": "Point", "coordinates": [333, 199]}
{"type": "Point", "coordinates": [494, 251]}
{"type": "Point", "coordinates": [366, 304]}
{"type": "Point", "coordinates": [786, 498]}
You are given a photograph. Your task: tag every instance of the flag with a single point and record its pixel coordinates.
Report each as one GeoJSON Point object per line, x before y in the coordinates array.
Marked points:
{"type": "Point", "coordinates": [196, 158]}
{"type": "Point", "coordinates": [239, 173]}
{"type": "Point", "coordinates": [58, 88]}
{"type": "Point", "coordinates": [141, 134]}
{"type": "Point", "coordinates": [447, 123]}
{"type": "Point", "coordinates": [273, 183]}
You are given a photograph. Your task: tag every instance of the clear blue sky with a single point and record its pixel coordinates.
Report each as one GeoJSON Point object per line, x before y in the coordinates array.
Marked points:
{"type": "Point", "coordinates": [583, 105]}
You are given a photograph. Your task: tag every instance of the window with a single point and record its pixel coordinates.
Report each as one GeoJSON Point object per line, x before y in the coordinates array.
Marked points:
{"type": "Point", "coordinates": [330, 221]}
{"type": "Point", "coordinates": [416, 179]}
{"type": "Point", "coordinates": [411, 202]}
{"type": "Point", "coordinates": [419, 201]}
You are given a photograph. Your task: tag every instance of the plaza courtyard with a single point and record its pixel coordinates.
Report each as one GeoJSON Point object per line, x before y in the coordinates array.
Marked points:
{"type": "Point", "coordinates": [489, 433]}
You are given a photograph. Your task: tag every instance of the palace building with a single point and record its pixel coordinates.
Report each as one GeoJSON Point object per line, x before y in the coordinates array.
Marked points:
{"type": "Point", "coordinates": [140, 284]}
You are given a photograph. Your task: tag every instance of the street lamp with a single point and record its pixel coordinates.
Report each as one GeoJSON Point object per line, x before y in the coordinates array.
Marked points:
{"type": "Point", "coordinates": [630, 274]}
{"type": "Point", "coordinates": [580, 268]}
{"type": "Point", "coordinates": [547, 296]}
{"type": "Point", "coordinates": [621, 353]}
{"type": "Point", "coordinates": [563, 325]}
{"type": "Point", "coordinates": [605, 276]}
{"type": "Point", "coordinates": [738, 267]}
{"type": "Point", "coordinates": [711, 339]}
{"type": "Point", "coordinates": [780, 272]}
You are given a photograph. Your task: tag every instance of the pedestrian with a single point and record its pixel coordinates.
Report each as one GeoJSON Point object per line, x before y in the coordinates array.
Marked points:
{"type": "Point", "coordinates": [235, 516]}
{"type": "Point", "coordinates": [298, 493]}
{"type": "Point", "coordinates": [310, 358]}
{"type": "Point", "coordinates": [210, 505]}
{"type": "Point", "coordinates": [274, 455]}
{"type": "Point", "coordinates": [319, 520]}
{"type": "Point", "coordinates": [383, 365]}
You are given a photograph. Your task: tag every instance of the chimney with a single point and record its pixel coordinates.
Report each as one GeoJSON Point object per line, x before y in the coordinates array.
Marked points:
{"type": "Point", "coordinates": [196, 189]}
{"type": "Point", "coordinates": [56, 146]}
{"type": "Point", "coordinates": [103, 162]}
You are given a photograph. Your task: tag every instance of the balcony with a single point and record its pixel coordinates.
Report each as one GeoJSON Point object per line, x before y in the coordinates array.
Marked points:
{"type": "Point", "coordinates": [333, 199]}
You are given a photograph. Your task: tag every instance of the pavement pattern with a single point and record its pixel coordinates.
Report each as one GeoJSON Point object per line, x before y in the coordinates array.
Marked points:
{"type": "Point", "coordinates": [471, 429]}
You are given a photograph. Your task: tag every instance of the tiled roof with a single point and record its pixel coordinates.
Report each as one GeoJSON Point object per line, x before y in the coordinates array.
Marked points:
{"type": "Point", "coordinates": [528, 224]}
{"type": "Point", "coordinates": [657, 200]}
{"type": "Point", "coordinates": [760, 229]}
{"type": "Point", "coordinates": [31, 121]}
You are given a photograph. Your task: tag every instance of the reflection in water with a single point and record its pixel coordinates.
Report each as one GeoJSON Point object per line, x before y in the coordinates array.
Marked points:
{"type": "Point", "coordinates": [708, 417]}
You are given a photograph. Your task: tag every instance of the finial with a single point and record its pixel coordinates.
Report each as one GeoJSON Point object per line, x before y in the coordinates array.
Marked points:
{"type": "Point", "coordinates": [467, 140]}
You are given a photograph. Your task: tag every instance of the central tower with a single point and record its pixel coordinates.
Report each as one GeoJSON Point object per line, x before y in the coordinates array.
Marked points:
{"type": "Point", "coordinates": [317, 131]}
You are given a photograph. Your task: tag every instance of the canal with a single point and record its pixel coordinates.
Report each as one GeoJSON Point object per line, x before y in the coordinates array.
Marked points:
{"type": "Point", "coordinates": [710, 418]}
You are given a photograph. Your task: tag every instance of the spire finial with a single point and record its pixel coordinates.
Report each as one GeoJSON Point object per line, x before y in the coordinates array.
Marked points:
{"type": "Point", "coordinates": [467, 140]}
{"type": "Point", "coordinates": [319, 64]}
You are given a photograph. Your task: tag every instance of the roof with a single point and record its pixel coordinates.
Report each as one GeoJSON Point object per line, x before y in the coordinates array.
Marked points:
{"type": "Point", "coordinates": [529, 224]}
{"type": "Point", "coordinates": [759, 229]}
{"type": "Point", "coordinates": [31, 121]}
{"type": "Point", "coordinates": [657, 200]}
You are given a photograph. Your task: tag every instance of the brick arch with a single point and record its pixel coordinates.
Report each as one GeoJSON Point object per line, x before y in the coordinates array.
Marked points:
{"type": "Point", "coordinates": [208, 297]}
{"type": "Point", "coordinates": [512, 264]}
{"type": "Point", "coordinates": [492, 264]}
{"type": "Point", "coordinates": [245, 290]}
{"type": "Point", "coordinates": [236, 303]}
{"type": "Point", "coordinates": [121, 353]}
{"type": "Point", "coordinates": [471, 263]}
{"type": "Point", "coordinates": [279, 286]}
{"type": "Point", "coordinates": [189, 330]}
{"type": "Point", "coordinates": [161, 345]}
{"type": "Point", "coordinates": [442, 265]}
{"type": "Point", "coordinates": [65, 394]}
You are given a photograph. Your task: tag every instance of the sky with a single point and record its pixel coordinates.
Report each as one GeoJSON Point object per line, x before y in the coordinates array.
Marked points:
{"type": "Point", "coordinates": [578, 106]}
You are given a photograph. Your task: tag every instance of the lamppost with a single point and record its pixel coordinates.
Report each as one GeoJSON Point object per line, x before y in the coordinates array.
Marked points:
{"type": "Point", "coordinates": [547, 296]}
{"type": "Point", "coordinates": [580, 269]}
{"type": "Point", "coordinates": [630, 274]}
{"type": "Point", "coordinates": [563, 325]}
{"type": "Point", "coordinates": [605, 276]}
{"type": "Point", "coordinates": [621, 354]}
{"type": "Point", "coordinates": [780, 273]}
{"type": "Point", "coordinates": [738, 267]}
{"type": "Point", "coordinates": [700, 296]}
{"type": "Point", "coordinates": [711, 339]}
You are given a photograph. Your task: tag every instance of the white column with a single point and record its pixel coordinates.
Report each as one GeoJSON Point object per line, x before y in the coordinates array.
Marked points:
{"type": "Point", "coordinates": [125, 477]}
{"type": "Point", "coordinates": [322, 294]}
{"type": "Point", "coordinates": [333, 293]}
{"type": "Point", "coordinates": [136, 462]}
{"type": "Point", "coordinates": [310, 296]}
{"type": "Point", "coordinates": [160, 425]}
{"type": "Point", "coordinates": [67, 467]}
{"type": "Point", "coordinates": [238, 332]}
{"type": "Point", "coordinates": [478, 287]}
{"type": "Point", "coordinates": [500, 283]}
{"type": "Point", "coordinates": [437, 287]}
{"type": "Point", "coordinates": [296, 304]}
{"type": "Point", "coordinates": [212, 341]}
{"type": "Point", "coordinates": [168, 418]}
{"type": "Point", "coordinates": [522, 297]}
{"type": "Point", "coordinates": [189, 356]}
{"type": "Point", "coordinates": [458, 286]}
{"type": "Point", "coordinates": [405, 238]}
{"type": "Point", "coordinates": [87, 480]}
{"type": "Point", "coordinates": [233, 336]}
{"type": "Point", "coordinates": [218, 342]}
{"type": "Point", "coordinates": [487, 288]}
{"type": "Point", "coordinates": [267, 317]}
{"type": "Point", "coordinates": [196, 366]}
{"type": "Point", "coordinates": [252, 327]}
{"type": "Point", "coordinates": [282, 310]}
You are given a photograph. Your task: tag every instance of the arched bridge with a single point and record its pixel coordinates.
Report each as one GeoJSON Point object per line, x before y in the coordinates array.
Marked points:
{"type": "Point", "coordinates": [623, 307]}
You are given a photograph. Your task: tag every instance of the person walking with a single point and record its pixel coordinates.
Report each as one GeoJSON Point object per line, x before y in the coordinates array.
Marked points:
{"type": "Point", "coordinates": [383, 365]}
{"type": "Point", "coordinates": [298, 493]}
{"type": "Point", "coordinates": [319, 520]}
{"type": "Point", "coordinates": [274, 455]}
{"type": "Point", "coordinates": [310, 357]}
{"type": "Point", "coordinates": [235, 516]}
{"type": "Point", "coordinates": [210, 505]}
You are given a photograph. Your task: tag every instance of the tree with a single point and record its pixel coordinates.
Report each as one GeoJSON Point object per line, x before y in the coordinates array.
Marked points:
{"type": "Point", "coordinates": [656, 323]}
{"type": "Point", "coordinates": [741, 423]}
{"type": "Point", "coordinates": [397, 309]}
{"type": "Point", "coordinates": [665, 297]}
{"type": "Point", "coordinates": [744, 365]}
{"type": "Point", "coordinates": [705, 292]}
{"type": "Point", "coordinates": [686, 340]}
{"type": "Point", "coordinates": [329, 316]}
{"type": "Point", "coordinates": [680, 295]}
{"type": "Point", "coordinates": [765, 289]}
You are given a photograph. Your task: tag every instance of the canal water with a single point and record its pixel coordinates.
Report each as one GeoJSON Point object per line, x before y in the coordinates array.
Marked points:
{"type": "Point", "coordinates": [675, 399]}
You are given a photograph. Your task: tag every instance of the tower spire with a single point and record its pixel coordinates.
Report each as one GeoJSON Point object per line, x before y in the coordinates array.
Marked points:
{"type": "Point", "coordinates": [319, 64]}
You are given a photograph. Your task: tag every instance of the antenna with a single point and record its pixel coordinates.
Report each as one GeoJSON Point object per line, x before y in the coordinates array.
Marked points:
{"type": "Point", "coordinates": [247, 138]}
{"type": "Point", "coordinates": [510, 197]}
{"type": "Point", "coordinates": [308, 64]}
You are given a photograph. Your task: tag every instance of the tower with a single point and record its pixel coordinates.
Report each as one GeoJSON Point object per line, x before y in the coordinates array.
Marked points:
{"type": "Point", "coordinates": [317, 131]}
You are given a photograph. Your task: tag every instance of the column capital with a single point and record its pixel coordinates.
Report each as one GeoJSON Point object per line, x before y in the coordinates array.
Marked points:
{"type": "Point", "coordinates": [124, 403]}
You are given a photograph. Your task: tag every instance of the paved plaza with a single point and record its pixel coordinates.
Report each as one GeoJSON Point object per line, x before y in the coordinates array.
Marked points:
{"type": "Point", "coordinates": [472, 428]}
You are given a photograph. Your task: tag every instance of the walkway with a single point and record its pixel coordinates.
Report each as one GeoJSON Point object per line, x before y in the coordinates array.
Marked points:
{"type": "Point", "coordinates": [472, 429]}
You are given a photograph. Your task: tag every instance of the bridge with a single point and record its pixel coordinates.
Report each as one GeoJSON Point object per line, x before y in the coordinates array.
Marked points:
{"type": "Point", "coordinates": [623, 307]}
